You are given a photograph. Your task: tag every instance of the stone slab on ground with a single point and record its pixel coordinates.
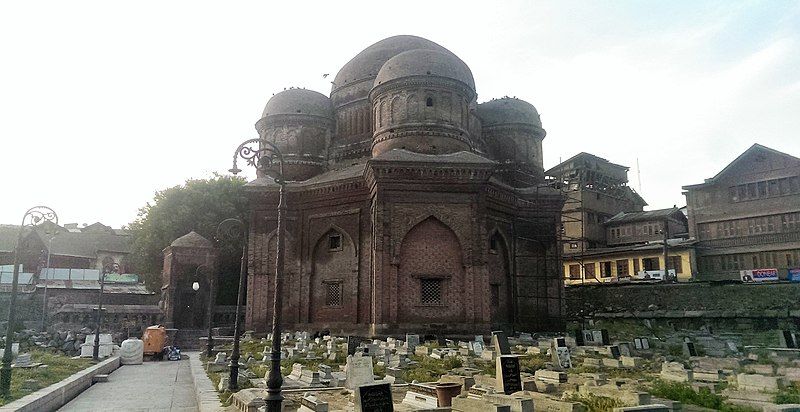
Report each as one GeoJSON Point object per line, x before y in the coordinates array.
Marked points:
{"type": "Point", "coordinates": [164, 385]}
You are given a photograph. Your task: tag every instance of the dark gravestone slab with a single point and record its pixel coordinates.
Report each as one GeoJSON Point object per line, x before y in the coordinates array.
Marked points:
{"type": "Point", "coordinates": [614, 351]}
{"type": "Point", "coordinates": [508, 374]}
{"type": "Point", "coordinates": [561, 342]}
{"type": "Point", "coordinates": [604, 334]}
{"type": "Point", "coordinates": [500, 342]}
{"type": "Point", "coordinates": [579, 338]}
{"type": "Point", "coordinates": [441, 341]}
{"type": "Point", "coordinates": [352, 344]}
{"type": "Point", "coordinates": [688, 349]}
{"type": "Point", "coordinates": [788, 339]}
{"type": "Point", "coordinates": [375, 398]}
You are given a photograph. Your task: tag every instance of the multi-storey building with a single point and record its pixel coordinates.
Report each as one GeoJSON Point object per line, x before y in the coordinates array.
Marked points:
{"type": "Point", "coordinates": [748, 215]}
{"type": "Point", "coordinates": [595, 190]}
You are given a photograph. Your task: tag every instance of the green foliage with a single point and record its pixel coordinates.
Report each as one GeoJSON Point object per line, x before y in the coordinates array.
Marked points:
{"type": "Point", "coordinates": [684, 393]}
{"type": "Point", "coordinates": [532, 363]}
{"type": "Point", "coordinates": [788, 395]}
{"type": "Point", "coordinates": [199, 205]}
{"type": "Point", "coordinates": [596, 403]}
{"type": "Point", "coordinates": [59, 367]}
{"type": "Point", "coordinates": [452, 363]}
{"type": "Point", "coordinates": [675, 350]}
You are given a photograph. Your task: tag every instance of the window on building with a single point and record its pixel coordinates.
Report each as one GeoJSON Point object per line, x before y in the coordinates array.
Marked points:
{"type": "Point", "coordinates": [650, 264]}
{"type": "Point", "coordinates": [676, 263]}
{"type": "Point", "coordinates": [495, 295]}
{"type": "Point", "coordinates": [573, 245]}
{"type": "Point", "coordinates": [430, 291]}
{"type": "Point", "coordinates": [575, 271]}
{"type": "Point", "coordinates": [605, 269]}
{"type": "Point", "coordinates": [622, 268]}
{"type": "Point", "coordinates": [589, 271]}
{"type": "Point", "coordinates": [333, 294]}
{"type": "Point", "coordinates": [335, 242]}
{"type": "Point", "coordinates": [429, 102]}
{"type": "Point", "coordinates": [636, 265]}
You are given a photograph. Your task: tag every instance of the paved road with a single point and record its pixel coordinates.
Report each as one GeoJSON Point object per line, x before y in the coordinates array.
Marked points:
{"type": "Point", "coordinates": [151, 386]}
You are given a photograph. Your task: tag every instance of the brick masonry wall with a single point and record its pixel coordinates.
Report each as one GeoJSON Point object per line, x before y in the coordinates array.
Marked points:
{"type": "Point", "coordinates": [431, 250]}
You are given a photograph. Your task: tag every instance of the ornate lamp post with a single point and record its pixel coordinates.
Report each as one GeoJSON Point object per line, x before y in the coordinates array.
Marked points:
{"type": "Point", "coordinates": [210, 314]}
{"type": "Point", "coordinates": [112, 267]}
{"type": "Point", "coordinates": [231, 229]}
{"type": "Point", "coordinates": [264, 155]}
{"type": "Point", "coordinates": [34, 216]}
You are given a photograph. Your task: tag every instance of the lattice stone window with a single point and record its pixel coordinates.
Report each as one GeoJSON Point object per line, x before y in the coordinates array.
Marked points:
{"type": "Point", "coordinates": [333, 294]}
{"type": "Point", "coordinates": [430, 291]}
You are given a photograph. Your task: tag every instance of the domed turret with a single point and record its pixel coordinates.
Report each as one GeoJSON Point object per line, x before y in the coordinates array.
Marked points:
{"type": "Point", "coordinates": [298, 122]}
{"type": "Point", "coordinates": [351, 86]}
{"type": "Point", "coordinates": [513, 134]}
{"type": "Point", "coordinates": [420, 102]}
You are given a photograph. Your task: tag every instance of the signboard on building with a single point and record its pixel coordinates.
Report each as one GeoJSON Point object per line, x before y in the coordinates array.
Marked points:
{"type": "Point", "coordinates": [794, 275]}
{"type": "Point", "coordinates": [759, 275]}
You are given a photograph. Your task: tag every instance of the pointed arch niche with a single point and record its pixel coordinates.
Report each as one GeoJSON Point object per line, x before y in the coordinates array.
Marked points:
{"type": "Point", "coordinates": [332, 282]}
{"type": "Point", "coordinates": [500, 292]}
{"type": "Point", "coordinates": [431, 274]}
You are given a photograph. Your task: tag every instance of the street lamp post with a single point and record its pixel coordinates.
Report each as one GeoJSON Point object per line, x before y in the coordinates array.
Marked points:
{"type": "Point", "coordinates": [210, 311]}
{"type": "Point", "coordinates": [46, 273]}
{"type": "Point", "coordinates": [34, 216]}
{"type": "Point", "coordinates": [264, 155]}
{"type": "Point", "coordinates": [107, 268]}
{"type": "Point", "coordinates": [231, 229]}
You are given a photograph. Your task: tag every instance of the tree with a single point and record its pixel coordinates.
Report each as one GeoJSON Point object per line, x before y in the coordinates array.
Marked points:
{"type": "Point", "coordinates": [199, 205]}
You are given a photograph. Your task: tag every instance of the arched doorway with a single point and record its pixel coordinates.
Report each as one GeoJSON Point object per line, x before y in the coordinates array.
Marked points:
{"type": "Point", "coordinates": [332, 287]}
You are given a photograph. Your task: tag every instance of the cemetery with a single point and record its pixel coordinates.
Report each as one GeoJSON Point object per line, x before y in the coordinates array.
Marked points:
{"type": "Point", "coordinates": [593, 367]}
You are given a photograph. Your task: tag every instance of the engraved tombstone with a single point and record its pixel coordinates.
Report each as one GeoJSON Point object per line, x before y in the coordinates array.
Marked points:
{"type": "Point", "coordinates": [508, 374]}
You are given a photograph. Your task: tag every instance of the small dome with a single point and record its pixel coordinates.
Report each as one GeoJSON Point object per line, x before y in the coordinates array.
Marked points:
{"type": "Point", "coordinates": [299, 101]}
{"type": "Point", "coordinates": [192, 239]}
{"type": "Point", "coordinates": [508, 110]}
{"type": "Point", "coordinates": [423, 62]}
{"type": "Point", "coordinates": [365, 65]}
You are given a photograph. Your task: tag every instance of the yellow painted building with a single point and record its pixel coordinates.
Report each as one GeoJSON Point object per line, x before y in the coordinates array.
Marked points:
{"type": "Point", "coordinates": [620, 264]}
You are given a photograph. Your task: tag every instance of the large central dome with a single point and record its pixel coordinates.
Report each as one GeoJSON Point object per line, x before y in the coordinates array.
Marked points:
{"type": "Point", "coordinates": [365, 65]}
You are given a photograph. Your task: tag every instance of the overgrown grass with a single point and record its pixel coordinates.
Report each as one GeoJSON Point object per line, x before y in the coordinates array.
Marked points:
{"type": "Point", "coordinates": [58, 368]}
{"type": "Point", "coordinates": [596, 403]}
{"type": "Point", "coordinates": [684, 393]}
{"type": "Point", "coordinates": [788, 395]}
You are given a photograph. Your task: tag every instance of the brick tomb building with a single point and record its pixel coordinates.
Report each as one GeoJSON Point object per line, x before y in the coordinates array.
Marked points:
{"type": "Point", "coordinates": [411, 207]}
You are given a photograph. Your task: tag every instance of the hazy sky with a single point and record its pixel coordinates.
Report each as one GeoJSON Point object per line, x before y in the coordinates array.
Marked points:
{"type": "Point", "coordinates": [103, 103]}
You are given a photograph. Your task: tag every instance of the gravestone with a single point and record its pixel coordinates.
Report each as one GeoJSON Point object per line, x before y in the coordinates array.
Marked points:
{"type": "Point", "coordinates": [500, 342]}
{"type": "Point", "coordinates": [560, 353]}
{"type": "Point", "coordinates": [604, 337]}
{"type": "Point", "coordinates": [508, 374]}
{"type": "Point", "coordinates": [412, 341]}
{"type": "Point", "coordinates": [374, 398]}
{"type": "Point", "coordinates": [641, 343]}
{"type": "Point", "coordinates": [23, 360]}
{"type": "Point", "coordinates": [310, 403]}
{"type": "Point", "coordinates": [597, 337]}
{"type": "Point", "coordinates": [788, 339]}
{"type": "Point", "coordinates": [614, 350]}
{"type": "Point", "coordinates": [352, 344]}
{"type": "Point", "coordinates": [579, 338]}
{"type": "Point", "coordinates": [477, 347]}
{"type": "Point", "coordinates": [359, 371]}
{"type": "Point", "coordinates": [689, 349]}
